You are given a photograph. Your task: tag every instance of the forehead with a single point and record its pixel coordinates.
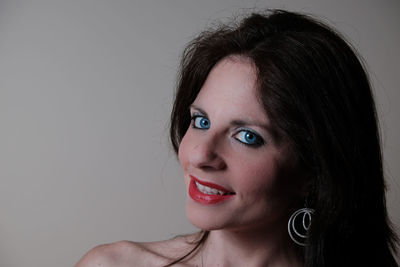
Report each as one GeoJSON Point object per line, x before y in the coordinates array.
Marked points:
{"type": "Point", "coordinates": [232, 85]}
{"type": "Point", "coordinates": [233, 72]}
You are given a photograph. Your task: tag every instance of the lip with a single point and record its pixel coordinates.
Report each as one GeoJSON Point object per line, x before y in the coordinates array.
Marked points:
{"type": "Point", "coordinates": [207, 199]}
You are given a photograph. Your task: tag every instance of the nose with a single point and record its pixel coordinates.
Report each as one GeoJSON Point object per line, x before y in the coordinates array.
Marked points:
{"type": "Point", "coordinates": [206, 154]}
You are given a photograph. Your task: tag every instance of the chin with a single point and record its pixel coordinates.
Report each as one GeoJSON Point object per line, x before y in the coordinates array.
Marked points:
{"type": "Point", "coordinates": [205, 218]}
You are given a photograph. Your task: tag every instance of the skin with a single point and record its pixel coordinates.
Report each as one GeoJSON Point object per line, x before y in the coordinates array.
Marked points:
{"type": "Point", "coordinates": [127, 253]}
{"type": "Point", "coordinates": [248, 229]}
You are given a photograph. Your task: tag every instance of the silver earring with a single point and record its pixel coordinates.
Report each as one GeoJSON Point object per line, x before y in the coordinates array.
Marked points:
{"type": "Point", "coordinates": [299, 224]}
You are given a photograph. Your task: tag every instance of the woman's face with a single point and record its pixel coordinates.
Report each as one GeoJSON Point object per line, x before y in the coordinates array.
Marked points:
{"type": "Point", "coordinates": [236, 175]}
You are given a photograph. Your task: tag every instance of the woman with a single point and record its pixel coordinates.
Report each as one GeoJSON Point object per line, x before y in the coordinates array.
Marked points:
{"type": "Point", "coordinates": [276, 131]}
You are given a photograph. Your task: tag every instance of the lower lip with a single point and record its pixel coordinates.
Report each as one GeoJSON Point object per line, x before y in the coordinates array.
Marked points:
{"type": "Point", "coordinates": [206, 199]}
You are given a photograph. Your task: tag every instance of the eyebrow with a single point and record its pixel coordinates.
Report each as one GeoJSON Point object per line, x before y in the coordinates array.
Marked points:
{"type": "Point", "coordinates": [251, 123]}
{"type": "Point", "coordinates": [192, 106]}
{"type": "Point", "coordinates": [237, 122]}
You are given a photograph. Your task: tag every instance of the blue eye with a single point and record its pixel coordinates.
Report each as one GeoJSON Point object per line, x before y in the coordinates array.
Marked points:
{"type": "Point", "coordinates": [249, 138]}
{"type": "Point", "coordinates": [200, 122]}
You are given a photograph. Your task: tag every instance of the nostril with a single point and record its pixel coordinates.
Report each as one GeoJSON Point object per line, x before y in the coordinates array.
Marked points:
{"type": "Point", "coordinates": [206, 159]}
{"type": "Point", "coordinates": [205, 153]}
{"type": "Point", "coordinates": [220, 164]}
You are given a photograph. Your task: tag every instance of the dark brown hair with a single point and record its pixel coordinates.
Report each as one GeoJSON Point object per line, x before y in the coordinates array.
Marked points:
{"type": "Point", "coordinates": [316, 92]}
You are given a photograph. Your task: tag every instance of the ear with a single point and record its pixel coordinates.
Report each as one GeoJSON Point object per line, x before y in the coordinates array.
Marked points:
{"type": "Point", "coordinates": [306, 185]}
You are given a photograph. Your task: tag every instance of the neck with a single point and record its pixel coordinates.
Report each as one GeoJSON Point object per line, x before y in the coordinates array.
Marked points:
{"type": "Point", "coordinates": [253, 247]}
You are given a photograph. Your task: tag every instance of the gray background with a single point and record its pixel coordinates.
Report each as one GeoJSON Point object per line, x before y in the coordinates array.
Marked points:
{"type": "Point", "coordinates": [85, 94]}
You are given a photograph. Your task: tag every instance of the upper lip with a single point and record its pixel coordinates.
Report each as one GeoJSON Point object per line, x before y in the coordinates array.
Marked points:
{"type": "Point", "coordinates": [212, 185]}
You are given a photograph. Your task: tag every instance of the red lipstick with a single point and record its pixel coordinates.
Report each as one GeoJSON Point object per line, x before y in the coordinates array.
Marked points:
{"type": "Point", "coordinates": [205, 198]}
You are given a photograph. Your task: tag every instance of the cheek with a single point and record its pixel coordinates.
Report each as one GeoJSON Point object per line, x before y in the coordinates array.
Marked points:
{"type": "Point", "coordinates": [183, 157]}
{"type": "Point", "coordinates": [182, 151]}
{"type": "Point", "coordinates": [256, 175]}
{"type": "Point", "coordinates": [265, 180]}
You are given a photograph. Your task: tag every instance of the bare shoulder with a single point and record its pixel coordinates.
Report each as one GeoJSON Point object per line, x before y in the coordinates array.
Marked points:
{"type": "Point", "coordinates": [122, 253]}
{"type": "Point", "coordinates": [134, 254]}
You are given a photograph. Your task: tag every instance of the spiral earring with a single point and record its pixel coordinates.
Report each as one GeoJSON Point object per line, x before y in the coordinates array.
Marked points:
{"type": "Point", "coordinates": [299, 224]}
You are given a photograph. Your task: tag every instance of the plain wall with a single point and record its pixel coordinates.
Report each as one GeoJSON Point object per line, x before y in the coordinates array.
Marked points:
{"type": "Point", "coordinates": [85, 94]}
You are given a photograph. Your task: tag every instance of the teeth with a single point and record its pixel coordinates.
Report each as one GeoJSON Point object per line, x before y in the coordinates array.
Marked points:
{"type": "Point", "coordinates": [208, 190]}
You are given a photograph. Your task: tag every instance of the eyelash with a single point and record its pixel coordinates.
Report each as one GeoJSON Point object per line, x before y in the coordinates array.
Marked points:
{"type": "Point", "coordinates": [194, 119]}
{"type": "Point", "coordinates": [259, 141]}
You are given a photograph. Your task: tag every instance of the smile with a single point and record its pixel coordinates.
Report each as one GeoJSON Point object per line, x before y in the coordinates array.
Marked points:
{"type": "Point", "coordinates": [207, 193]}
{"type": "Point", "coordinates": [208, 190]}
